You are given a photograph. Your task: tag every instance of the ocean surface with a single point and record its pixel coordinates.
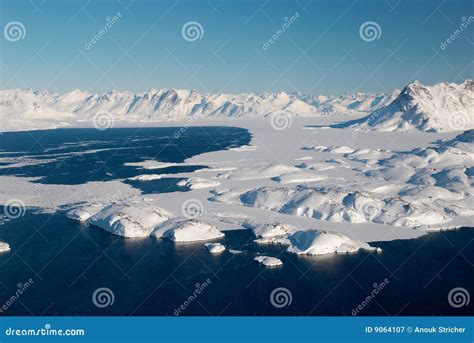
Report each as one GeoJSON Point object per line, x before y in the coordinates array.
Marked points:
{"type": "Point", "coordinates": [64, 263]}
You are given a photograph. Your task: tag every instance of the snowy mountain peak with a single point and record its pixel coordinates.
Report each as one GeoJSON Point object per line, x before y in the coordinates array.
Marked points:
{"type": "Point", "coordinates": [441, 107]}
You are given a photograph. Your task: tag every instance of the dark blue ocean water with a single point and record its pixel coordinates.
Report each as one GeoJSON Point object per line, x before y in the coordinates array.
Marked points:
{"type": "Point", "coordinates": [68, 261]}
{"type": "Point", "coordinates": [76, 156]}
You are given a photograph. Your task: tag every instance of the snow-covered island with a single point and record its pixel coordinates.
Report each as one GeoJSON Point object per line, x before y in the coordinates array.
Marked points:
{"type": "Point", "coordinates": [320, 176]}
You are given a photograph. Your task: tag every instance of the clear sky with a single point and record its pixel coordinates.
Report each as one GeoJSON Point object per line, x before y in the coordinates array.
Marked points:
{"type": "Point", "coordinates": [320, 52]}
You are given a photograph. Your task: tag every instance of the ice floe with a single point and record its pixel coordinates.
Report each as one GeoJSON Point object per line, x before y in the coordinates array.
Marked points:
{"type": "Point", "coordinates": [150, 164]}
{"type": "Point", "coordinates": [197, 183]}
{"type": "Point", "coordinates": [4, 247]}
{"type": "Point", "coordinates": [268, 261]}
{"type": "Point", "coordinates": [215, 248]}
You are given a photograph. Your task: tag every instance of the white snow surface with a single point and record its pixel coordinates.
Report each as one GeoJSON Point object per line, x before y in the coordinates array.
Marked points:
{"type": "Point", "coordinates": [197, 183]}
{"type": "Point", "coordinates": [187, 230]}
{"type": "Point", "coordinates": [316, 242]}
{"type": "Point", "coordinates": [129, 219]}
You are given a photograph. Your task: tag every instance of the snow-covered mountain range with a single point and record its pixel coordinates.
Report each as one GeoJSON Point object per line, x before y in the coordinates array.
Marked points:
{"type": "Point", "coordinates": [26, 109]}
{"type": "Point", "coordinates": [441, 107]}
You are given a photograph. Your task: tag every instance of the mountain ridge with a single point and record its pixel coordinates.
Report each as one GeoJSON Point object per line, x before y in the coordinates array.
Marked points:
{"type": "Point", "coordinates": [442, 107]}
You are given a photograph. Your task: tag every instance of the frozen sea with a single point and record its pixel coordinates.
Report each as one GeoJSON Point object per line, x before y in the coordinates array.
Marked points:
{"type": "Point", "coordinates": [68, 261]}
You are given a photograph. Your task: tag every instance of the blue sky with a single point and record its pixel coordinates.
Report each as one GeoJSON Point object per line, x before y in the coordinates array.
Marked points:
{"type": "Point", "coordinates": [321, 52]}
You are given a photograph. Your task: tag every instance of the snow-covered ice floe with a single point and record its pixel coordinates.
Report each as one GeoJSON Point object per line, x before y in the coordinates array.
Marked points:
{"type": "Point", "coordinates": [268, 261]}
{"type": "Point", "coordinates": [215, 248]}
{"type": "Point", "coordinates": [197, 183]}
{"type": "Point", "coordinates": [150, 164]}
{"type": "Point", "coordinates": [4, 247]}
